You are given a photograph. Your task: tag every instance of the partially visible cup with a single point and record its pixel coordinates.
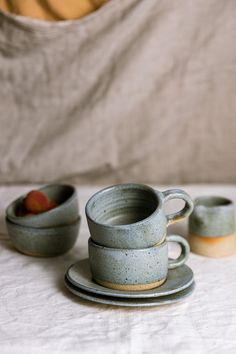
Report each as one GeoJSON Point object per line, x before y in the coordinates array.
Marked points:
{"type": "Point", "coordinates": [132, 215]}
{"type": "Point", "coordinates": [212, 227]}
{"type": "Point", "coordinates": [134, 269]}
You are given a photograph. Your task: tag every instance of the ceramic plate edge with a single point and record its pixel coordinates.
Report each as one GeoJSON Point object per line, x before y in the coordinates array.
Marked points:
{"type": "Point", "coordinates": [106, 301]}
{"type": "Point", "coordinates": [110, 292]}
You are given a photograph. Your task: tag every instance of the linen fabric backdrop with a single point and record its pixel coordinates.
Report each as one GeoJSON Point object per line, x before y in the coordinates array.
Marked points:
{"type": "Point", "coordinates": [136, 91]}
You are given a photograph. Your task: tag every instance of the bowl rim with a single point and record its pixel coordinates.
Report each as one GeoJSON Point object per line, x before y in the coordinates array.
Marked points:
{"type": "Point", "coordinates": [73, 223]}
{"type": "Point", "coordinates": [48, 212]}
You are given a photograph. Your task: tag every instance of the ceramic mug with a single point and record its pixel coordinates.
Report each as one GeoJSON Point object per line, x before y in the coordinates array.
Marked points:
{"type": "Point", "coordinates": [132, 215]}
{"type": "Point", "coordinates": [212, 227]}
{"type": "Point", "coordinates": [134, 269]}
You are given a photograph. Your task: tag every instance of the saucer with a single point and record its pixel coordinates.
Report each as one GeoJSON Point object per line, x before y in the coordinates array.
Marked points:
{"type": "Point", "coordinates": [79, 275]}
{"type": "Point", "coordinates": [131, 302]}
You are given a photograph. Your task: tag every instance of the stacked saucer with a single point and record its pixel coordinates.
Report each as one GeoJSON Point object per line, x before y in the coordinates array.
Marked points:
{"type": "Point", "coordinates": [178, 286]}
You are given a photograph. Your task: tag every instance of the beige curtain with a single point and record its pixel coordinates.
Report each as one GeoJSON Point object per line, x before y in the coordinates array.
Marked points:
{"type": "Point", "coordinates": [136, 91]}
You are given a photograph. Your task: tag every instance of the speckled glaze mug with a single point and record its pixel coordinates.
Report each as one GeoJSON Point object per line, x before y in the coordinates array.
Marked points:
{"type": "Point", "coordinates": [132, 215]}
{"type": "Point", "coordinates": [134, 269]}
{"type": "Point", "coordinates": [212, 227]}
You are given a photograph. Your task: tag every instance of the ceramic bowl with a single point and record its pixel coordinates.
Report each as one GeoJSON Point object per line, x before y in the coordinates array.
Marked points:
{"type": "Point", "coordinates": [44, 242]}
{"type": "Point", "coordinates": [65, 213]}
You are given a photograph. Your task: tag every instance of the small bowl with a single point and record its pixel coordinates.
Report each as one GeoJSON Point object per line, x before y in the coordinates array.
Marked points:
{"type": "Point", "coordinates": [65, 213]}
{"type": "Point", "coordinates": [44, 242]}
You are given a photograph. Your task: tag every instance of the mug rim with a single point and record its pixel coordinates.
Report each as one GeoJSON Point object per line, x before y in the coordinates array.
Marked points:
{"type": "Point", "coordinates": [129, 250]}
{"type": "Point", "coordinates": [199, 202]}
{"type": "Point", "coordinates": [156, 194]}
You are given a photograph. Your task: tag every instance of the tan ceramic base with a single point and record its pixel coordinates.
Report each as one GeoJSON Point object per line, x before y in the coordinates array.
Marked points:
{"type": "Point", "coordinates": [161, 241]}
{"type": "Point", "coordinates": [215, 247]}
{"type": "Point", "coordinates": [34, 254]}
{"type": "Point", "coordinates": [130, 287]}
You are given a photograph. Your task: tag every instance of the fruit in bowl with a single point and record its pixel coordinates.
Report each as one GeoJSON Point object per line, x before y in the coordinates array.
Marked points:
{"type": "Point", "coordinates": [44, 222]}
{"type": "Point", "coordinates": [35, 202]}
{"type": "Point", "coordinates": [51, 205]}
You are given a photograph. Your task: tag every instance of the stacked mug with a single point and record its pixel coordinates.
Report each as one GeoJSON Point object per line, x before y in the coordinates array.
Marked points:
{"type": "Point", "coordinates": [128, 248]}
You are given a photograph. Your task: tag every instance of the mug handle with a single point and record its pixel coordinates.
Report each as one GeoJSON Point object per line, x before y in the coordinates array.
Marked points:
{"type": "Point", "coordinates": [187, 209]}
{"type": "Point", "coordinates": [185, 250]}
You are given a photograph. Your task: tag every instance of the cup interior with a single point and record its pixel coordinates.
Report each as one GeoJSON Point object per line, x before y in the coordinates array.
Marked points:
{"type": "Point", "coordinates": [122, 205]}
{"type": "Point", "coordinates": [59, 193]}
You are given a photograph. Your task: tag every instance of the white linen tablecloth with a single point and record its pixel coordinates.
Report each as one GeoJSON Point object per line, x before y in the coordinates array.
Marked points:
{"type": "Point", "coordinates": [39, 315]}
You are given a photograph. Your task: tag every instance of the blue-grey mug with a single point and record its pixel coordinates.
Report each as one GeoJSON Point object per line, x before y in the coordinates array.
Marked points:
{"type": "Point", "coordinates": [134, 269]}
{"type": "Point", "coordinates": [132, 215]}
{"type": "Point", "coordinates": [212, 231]}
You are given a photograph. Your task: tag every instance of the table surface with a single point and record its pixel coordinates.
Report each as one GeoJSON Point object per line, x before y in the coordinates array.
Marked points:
{"type": "Point", "coordinates": [39, 315]}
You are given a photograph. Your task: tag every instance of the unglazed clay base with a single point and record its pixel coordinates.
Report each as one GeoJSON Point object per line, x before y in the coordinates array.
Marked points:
{"type": "Point", "coordinates": [35, 254]}
{"type": "Point", "coordinates": [215, 247]}
{"type": "Point", "coordinates": [31, 254]}
{"type": "Point", "coordinates": [130, 287]}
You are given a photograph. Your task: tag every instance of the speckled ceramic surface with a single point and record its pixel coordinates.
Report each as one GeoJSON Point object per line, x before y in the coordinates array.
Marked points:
{"type": "Point", "coordinates": [132, 215]}
{"type": "Point", "coordinates": [80, 276]}
{"type": "Point", "coordinates": [212, 216]}
{"type": "Point", "coordinates": [44, 242]}
{"type": "Point", "coordinates": [131, 302]}
{"type": "Point", "coordinates": [212, 227]}
{"type": "Point", "coordinates": [66, 212]}
{"type": "Point", "coordinates": [134, 269]}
